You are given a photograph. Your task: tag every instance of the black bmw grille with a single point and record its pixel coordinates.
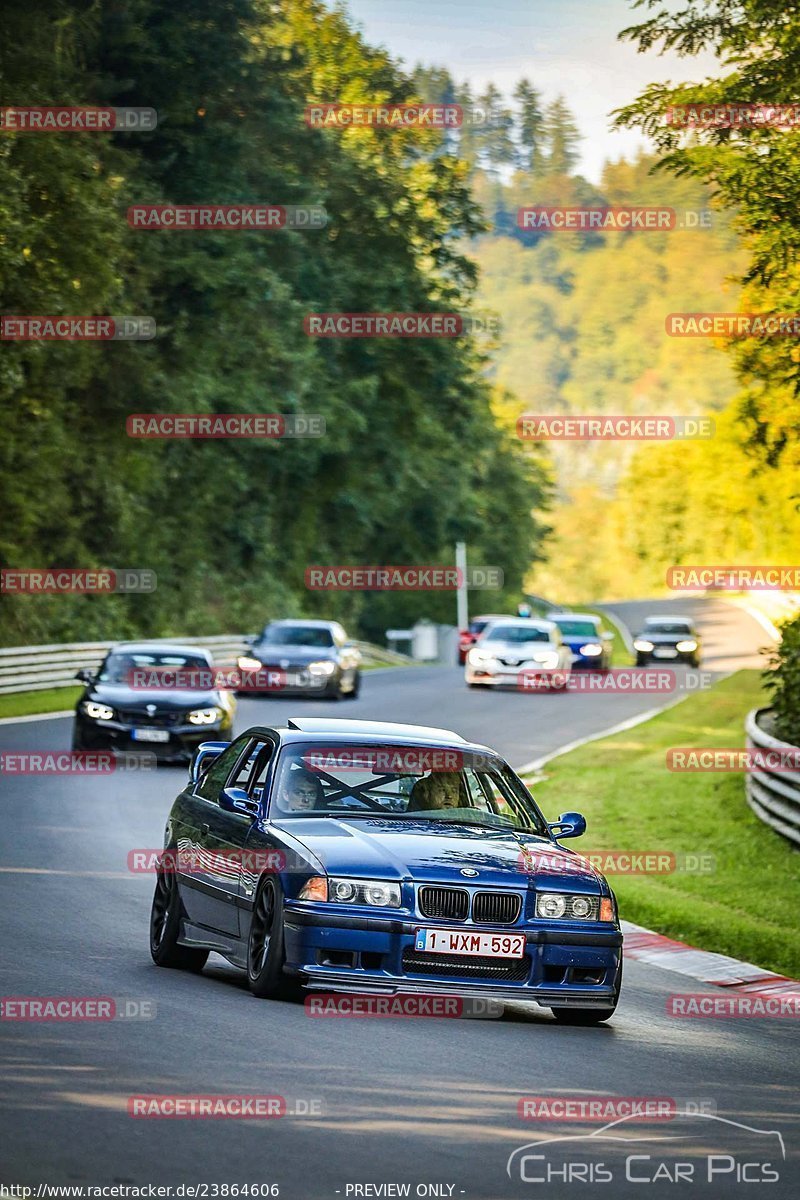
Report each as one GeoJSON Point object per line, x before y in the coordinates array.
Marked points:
{"type": "Point", "coordinates": [158, 720]}
{"type": "Point", "coordinates": [496, 908]}
{"type": "Point", "coordinates": [513, 970]}
{"type": "Point", "coordinates": [452, 904]}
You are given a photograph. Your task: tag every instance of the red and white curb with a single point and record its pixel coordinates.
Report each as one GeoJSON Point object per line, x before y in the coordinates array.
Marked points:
{"type": "Point", "coordinates": [643, 945]}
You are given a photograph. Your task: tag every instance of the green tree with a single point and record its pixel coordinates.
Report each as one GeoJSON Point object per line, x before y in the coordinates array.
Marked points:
{"type": "Point", "coordinates": [561, 138]}
{"type": "Point", "coordinates": [530, 124]}
{"type": "Point", "coordinates": [755, 173]}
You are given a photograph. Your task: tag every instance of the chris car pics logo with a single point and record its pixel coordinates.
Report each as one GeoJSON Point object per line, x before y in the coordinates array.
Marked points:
{"type": "Point", "coordinates": [699, 1150]}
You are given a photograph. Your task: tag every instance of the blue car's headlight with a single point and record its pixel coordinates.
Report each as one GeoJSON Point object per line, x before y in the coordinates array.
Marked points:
{"type": "Point", "coordinates": [569, 907]}
{"type": "Point", "coordinates": [377, 893]}
{"type": "Point", "coordinates": [591, 648]}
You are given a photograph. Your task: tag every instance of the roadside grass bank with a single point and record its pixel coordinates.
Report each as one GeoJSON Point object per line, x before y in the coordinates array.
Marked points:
{"type": "Point", "coordinates": [747, 905]}
{"type": "Point", "coordinates": [26, 704]}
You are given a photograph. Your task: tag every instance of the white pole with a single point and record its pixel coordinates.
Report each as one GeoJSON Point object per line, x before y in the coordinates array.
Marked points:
{"type": "Point", "coordinates": [462, 608]}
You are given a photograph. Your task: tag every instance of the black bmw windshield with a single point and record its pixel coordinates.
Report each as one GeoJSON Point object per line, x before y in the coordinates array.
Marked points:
{"type": "Point", "coordinates": [296, 635]}
{"type": "Point", "coordinates": [119, 668]}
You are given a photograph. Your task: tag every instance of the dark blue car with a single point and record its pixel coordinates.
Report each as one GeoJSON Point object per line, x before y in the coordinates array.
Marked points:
{"type": "Point", "coordinates": [377, 858]}
{"type": "Point", "coordinates": [589, 642]}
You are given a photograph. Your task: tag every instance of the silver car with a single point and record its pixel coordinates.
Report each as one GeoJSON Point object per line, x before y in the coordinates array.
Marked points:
{"type": "Point", "coordinates": [513, 647]}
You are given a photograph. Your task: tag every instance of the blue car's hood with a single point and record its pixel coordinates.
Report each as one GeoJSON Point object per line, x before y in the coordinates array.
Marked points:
{"type": "Point", "coordinates": [434, 850]}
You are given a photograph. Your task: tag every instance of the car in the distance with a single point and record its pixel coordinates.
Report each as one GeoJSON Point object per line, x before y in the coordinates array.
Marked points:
{"type": "Point", "coordinates": [469, 636]}
{"type": "Point", "coordinates": [666, 638]}
{"type": "Point", "coordinates": [589, 641]}
{"type": "Point", "coordinates": [152, 696]}
{"type": "Point", "coordinates": [308, 657]}
{"type": "Point", "coordinates": [511, 648]}
{"type": "Point", "coordinates": [359, 856]}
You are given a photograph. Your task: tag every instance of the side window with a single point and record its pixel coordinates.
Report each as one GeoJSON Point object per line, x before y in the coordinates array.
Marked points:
{"type": "Point", "coordinates": [492, 799]}
{"type": "Point", "coordinates": [261, 764]}
{"type": "Point", "coordinates": [253, 768]}
{"type": "Point", "coordinates": [217, 774]}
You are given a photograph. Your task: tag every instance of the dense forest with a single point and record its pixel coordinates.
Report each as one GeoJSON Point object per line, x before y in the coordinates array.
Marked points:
{"type": "Point", "coordinates": [420, 448]}
{"type": "Point", "coordinates": [414, 457]}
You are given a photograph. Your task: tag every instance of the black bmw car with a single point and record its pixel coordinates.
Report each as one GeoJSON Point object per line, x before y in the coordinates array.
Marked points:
{"type": "Point", "coordinates": [670, 639]}
{"type": "Point", "coordinates": [310, 658]}
{"type": "Point", "coordinates": [154, 697]}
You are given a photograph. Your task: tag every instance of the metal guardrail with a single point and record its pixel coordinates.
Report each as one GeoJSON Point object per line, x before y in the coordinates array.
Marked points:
{"type": "Point", "coordinates": [774, 796]}
{"type": "Point", "coordinates": [34, 668]}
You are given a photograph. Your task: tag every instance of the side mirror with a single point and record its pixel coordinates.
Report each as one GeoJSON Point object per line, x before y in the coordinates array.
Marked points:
{"type": "Point", "coordinates": [235, 799]}
{"type": "Point", "coordinates": [85, 675]}
{"type": "Point", "coordinates": [568, 825]}
{"type": "Point", "coordinates": [203, 756]}
{"type": "Point", "coordinates": [607, 637]}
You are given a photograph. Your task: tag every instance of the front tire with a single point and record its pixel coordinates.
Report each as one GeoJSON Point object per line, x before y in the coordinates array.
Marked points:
{"type": "Point", "coordinates": [266, 952]}
{"type": "Point", "coordinates": [165, 919]}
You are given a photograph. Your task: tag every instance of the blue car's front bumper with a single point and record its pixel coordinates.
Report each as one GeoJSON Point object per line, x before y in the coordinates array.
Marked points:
{"type": "Point", "coordinates": [575, 965]}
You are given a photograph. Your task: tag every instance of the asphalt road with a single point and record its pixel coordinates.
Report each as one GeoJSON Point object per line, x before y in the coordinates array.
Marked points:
{"type": "Point", "coordinates": [428, 1103]}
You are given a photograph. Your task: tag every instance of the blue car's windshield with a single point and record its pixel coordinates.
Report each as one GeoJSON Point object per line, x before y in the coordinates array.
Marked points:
{"type": "Point", "coordinates": [577, 628]}
{"type": "Point", "coordinates": [413, 782]}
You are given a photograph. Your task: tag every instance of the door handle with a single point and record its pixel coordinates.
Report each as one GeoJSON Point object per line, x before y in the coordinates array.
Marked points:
{"type": "Point", "coordinates": [204, 829]}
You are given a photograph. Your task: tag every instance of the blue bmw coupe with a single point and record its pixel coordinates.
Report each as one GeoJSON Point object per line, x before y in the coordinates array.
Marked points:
{"type": "Point", "coordinates": [358, 856]}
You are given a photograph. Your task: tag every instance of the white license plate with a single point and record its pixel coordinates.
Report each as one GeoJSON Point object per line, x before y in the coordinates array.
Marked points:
{"type": "Point", "coordinates": [665, 652]}
{"type": "Point", "coordinates": [459, 941]}
{"type": "Point", "coordinates": [150, 735]}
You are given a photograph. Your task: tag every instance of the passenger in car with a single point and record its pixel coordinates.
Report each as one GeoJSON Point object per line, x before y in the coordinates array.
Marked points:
{"type": "Point", "coordinates": [441, 789]}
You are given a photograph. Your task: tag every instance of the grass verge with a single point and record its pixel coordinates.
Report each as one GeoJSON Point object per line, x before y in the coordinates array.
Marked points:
{"type": "Point", "coordinates": [748, 906]}
{"type": "Point", "coordinates": [25, 704]}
